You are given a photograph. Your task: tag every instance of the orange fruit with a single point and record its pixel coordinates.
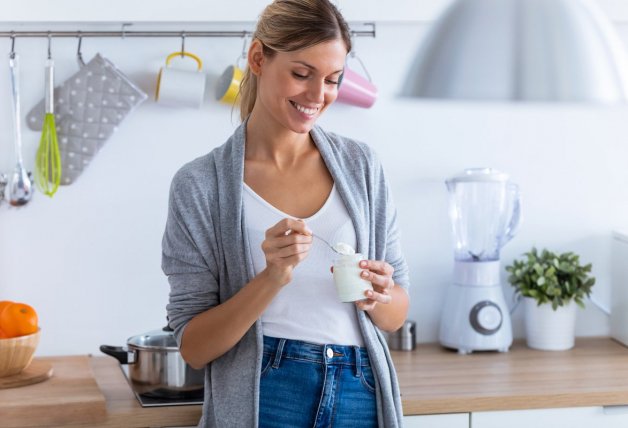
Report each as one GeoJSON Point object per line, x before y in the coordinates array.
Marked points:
{"type": "Point", "coordinates": [18, 319]}
{"type": "Point", "coordinates": [4, 304]}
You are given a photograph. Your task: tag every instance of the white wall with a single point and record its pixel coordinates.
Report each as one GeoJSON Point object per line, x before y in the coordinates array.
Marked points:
{"type": "Point", "coordinates": [89, 259]}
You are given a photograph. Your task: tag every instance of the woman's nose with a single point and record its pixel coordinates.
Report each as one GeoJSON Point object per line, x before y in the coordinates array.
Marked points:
{"type": "Point", "coordinates": [316, 91]}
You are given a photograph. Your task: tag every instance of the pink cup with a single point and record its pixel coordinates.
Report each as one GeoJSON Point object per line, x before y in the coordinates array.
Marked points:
{"type": "Point", "coordinates": [356, 90]}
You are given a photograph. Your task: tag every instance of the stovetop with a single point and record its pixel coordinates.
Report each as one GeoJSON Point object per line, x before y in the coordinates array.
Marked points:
{"type": "Point", "coordinates": [151, 401]}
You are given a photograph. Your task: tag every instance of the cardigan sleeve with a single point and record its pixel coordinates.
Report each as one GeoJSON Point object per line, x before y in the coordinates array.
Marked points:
{"type": "Point", "coordinates": [393, 251]}
{"type": "Point", "coordinates": [187, 258]}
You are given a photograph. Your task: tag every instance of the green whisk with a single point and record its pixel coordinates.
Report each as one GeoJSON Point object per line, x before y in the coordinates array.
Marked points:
{"type": "Point", "coordinates": [48, 161]}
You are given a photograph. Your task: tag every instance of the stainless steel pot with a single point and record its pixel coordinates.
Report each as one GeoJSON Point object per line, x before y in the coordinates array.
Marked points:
{"type": "Point", "coordinates": [156, 367]}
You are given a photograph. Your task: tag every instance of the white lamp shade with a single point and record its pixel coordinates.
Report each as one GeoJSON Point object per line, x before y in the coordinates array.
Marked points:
{"type": "Point", "coordinates": [521, 50]}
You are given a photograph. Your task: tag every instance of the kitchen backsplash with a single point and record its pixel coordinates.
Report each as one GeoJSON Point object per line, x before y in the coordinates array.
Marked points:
{"type": "Point", "coordinates": [89, 258]}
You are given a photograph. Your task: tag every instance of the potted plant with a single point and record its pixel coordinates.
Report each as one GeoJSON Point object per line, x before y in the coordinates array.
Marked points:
{"type": "Point", "coordinates": [551, 286]}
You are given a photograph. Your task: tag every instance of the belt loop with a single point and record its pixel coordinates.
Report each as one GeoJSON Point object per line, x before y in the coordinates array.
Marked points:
{"type": "Point", "coordinates": [278, 353]}
{"type": "Point", "coordinates": [358, 362]}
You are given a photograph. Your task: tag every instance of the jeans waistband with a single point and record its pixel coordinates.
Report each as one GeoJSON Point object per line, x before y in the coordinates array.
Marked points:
{"type": "Point", "coordinates": [317, 353]}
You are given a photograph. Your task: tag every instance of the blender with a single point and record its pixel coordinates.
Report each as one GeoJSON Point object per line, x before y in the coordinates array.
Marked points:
{"type": "Point", "coordinates": [484, 208]}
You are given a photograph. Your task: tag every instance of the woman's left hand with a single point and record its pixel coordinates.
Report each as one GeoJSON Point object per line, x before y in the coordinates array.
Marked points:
{"type": "Point", "coordinates": [379, 273]}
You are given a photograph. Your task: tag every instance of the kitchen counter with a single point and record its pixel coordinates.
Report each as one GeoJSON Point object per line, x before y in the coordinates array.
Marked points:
{"type": "Point", "coordinates": [433, 381]}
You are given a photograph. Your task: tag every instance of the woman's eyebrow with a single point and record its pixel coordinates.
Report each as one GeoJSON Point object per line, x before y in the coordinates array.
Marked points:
{"type": "Point", "coordinates": [311, 67]}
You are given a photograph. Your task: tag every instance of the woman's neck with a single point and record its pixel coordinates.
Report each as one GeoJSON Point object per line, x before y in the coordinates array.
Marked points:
{"type": "Point", "coordinates": [269, 141]}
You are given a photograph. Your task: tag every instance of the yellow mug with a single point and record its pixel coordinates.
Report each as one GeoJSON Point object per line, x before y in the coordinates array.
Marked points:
{"type": "Point", "coordinates": [228, 84]}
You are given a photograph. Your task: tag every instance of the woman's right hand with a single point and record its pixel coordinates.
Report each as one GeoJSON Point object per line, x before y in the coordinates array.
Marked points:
{"type": "Point", "coordinates": [286, 244]}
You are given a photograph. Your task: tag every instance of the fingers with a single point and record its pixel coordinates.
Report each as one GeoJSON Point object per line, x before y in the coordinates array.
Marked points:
{"type": "Point", "coordinates": [372, 299]}
{"type": "Point", "coordinates": [288, 226]}
{"type": "Point", "coordinates": [287, 243]}
{"type": "Point", "coordinates": [379, 273]}
{"type": "Point", "coordinates": [380, 282]}
{"type": "Point", "coordinates": [379, 266]}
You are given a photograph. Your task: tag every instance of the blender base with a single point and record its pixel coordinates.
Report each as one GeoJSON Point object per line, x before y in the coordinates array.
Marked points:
{"type": "Point", "coordinates": [475, 318]}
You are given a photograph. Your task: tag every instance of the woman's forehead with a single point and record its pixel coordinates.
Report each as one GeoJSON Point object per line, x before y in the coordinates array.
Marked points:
{"type": "Point", "coordinates": [327, 56]}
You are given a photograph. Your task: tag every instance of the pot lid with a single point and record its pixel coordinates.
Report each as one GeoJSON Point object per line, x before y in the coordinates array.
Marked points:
{"type": "Point", "coordinates": [162, 340]}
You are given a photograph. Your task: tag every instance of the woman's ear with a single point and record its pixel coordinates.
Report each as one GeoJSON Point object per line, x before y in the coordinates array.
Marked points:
{"type": "Point", "coordinates": [256, 57]}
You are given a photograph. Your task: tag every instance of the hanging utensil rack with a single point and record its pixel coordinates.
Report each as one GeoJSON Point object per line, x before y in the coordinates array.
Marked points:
{"type": "Point", "coordinates": [368, 32]}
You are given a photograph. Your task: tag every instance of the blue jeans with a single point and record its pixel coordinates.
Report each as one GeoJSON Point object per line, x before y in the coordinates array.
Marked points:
{"type": "Point", "coordinates": [309, 385]}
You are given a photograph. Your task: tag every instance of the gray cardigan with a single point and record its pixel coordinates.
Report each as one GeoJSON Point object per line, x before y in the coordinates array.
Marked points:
{"type": "Point", "coordinates": [207, 260]}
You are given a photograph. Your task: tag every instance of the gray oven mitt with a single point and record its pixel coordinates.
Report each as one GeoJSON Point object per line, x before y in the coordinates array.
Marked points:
{"type": "Point", "coordinates": [88, 107]}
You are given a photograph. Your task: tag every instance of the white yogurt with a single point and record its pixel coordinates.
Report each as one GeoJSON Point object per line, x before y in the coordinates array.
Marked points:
{"type": "Point", "coordinates": [342, 248]}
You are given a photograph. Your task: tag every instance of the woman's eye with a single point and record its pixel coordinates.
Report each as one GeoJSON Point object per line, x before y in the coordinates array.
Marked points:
{"type": "Point", "coordinates": [331, 82]}
{"type": "Point", "coordinates": [299, 76]}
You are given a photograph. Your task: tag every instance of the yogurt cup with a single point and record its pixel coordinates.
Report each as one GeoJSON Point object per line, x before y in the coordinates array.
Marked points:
{"type": "Point", "coordinates": [350, 286]}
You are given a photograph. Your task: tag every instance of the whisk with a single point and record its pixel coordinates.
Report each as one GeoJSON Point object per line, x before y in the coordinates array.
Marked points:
{"type": "Point", "coordinates": [48, 161]}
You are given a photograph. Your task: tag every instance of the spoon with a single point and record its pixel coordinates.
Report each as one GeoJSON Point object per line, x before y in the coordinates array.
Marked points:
{"type": "Point", "coordinates": [339, 248]}
{"type": "Point", "coordinates": [326, 243]}
{"type": "Point", "coordinates": [21, 187]}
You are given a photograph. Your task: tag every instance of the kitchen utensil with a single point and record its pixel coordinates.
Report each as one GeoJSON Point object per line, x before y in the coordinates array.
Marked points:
{"type": "Point", "coordinates": [403, 339]}
{"type": "Point", "coordinates": [89, 107]}
{"type": "Point", "coordinates": [21, 187]}
{"type": "Point", "coordinates": [177, 87]}
{"type": "Point", "coordinates": [327, 243]}
{"type": "Point", "coordinates": [156, 367]}
{"type": "Point", "coordinates": [484, 208]}
{"type": "Point", "coordinates": [48, 160]}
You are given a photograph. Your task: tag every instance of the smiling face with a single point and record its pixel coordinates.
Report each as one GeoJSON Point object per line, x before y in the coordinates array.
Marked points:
{"type": "Point", "coordinates": [294, 88]}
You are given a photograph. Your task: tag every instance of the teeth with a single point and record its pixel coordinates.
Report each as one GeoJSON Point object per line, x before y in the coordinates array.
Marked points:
{"type": "Point", "coordinates": [302, 109]}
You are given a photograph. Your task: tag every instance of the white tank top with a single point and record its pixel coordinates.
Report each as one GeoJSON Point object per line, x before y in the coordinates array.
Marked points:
{"type": "Point", "coordinates": [307, 308]}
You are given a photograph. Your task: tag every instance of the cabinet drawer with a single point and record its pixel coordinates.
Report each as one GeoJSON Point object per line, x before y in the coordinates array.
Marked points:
{"type": "Point", "coordinates": [572, 417]}
{"type": "Point", "coordinates": [452, 420]}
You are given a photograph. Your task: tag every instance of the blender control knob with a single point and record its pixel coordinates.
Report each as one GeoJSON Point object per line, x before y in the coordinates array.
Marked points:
{"type": "Point", "coordinates": [486, 317]}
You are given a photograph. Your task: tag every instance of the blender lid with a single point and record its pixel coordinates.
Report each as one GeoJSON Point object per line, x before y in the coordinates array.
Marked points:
{"type": "Point", "coordinates": [479, 174]}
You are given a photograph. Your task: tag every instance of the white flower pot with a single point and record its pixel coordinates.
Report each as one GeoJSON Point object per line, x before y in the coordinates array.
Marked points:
{"type": "Point", "coordinates": [548, 329]}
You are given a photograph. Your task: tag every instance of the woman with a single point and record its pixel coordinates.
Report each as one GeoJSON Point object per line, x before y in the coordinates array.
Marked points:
{"type": "Point", "coordinates": [278, 346]}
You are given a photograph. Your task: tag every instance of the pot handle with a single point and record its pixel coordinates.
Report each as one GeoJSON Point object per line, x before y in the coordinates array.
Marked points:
{"type": "Point", "coordinates": [119, 353]}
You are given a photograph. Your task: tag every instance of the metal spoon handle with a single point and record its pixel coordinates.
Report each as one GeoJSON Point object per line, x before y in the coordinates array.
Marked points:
{"type": "Point", "coordinates": [15, 83]}
{"type": "Point", "coordinates": [326, 243]}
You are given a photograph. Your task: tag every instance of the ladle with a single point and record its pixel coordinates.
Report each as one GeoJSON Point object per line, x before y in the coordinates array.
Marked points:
{"type": "Point", "coordinates": [21, 187]}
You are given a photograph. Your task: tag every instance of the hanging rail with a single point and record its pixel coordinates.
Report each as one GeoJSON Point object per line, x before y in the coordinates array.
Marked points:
{"type": "Point", "coordinates": [124, 34]}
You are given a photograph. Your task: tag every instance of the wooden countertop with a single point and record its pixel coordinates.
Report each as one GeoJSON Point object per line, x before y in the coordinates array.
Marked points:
{"type": "Point", "coordinates": [435, 380]}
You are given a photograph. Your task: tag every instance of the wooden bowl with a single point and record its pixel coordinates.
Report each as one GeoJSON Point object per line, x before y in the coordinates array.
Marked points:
{"type": "Point", "coordinates": [16, 353]}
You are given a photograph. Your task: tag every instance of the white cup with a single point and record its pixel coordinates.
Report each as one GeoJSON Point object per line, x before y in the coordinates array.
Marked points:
{"type": "Point", "coordinates": [350, 286]}
{"type": "Point", "coordinates": [179, 87]}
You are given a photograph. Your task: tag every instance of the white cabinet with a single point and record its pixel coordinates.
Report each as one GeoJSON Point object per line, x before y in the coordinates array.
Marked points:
{"type": "Point", "coordinates": [451, 420]}
{"type": "Point", "coordinates": [572, 417]}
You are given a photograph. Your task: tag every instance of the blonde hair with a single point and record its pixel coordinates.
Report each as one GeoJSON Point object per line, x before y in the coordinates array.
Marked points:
{"type": "Point", "coordinates": [288, 26]}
